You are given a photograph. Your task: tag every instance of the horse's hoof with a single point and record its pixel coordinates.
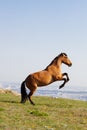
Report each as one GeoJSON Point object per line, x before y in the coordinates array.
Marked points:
{"type": "Point", "coordinates": [33, 104]}
{"type": "Point", "coordinates": [67, 79]}
{"type": "Point", "coordinates": [23, 101]}
{"type": "Point", "coordinates": [61, 86]}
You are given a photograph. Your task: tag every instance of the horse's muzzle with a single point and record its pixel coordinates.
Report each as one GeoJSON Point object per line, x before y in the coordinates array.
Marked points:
{"type": "Point", "coordinates": [70, 65]}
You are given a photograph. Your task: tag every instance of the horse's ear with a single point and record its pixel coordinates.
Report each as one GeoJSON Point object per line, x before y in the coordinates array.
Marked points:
{"type": "Point", "coordinates": [61, 54]}
{"type": "Point", "coordinates": [64, 54]}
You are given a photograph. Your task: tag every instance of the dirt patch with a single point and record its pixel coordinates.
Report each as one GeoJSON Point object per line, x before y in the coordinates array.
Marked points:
{"type": "Point", "coordinates": [4, 91]}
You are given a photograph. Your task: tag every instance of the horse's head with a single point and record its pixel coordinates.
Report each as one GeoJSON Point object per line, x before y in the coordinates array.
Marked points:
{"type": "Point", "coordinates": [65, 59]}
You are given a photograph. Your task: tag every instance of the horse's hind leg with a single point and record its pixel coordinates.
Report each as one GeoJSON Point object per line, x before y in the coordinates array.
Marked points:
{"type": "Point", "coordinates": [30, 95]}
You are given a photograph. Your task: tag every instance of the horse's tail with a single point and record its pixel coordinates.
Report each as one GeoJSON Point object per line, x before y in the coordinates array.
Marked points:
{"type": "Point", "coordinates": [23, 93]}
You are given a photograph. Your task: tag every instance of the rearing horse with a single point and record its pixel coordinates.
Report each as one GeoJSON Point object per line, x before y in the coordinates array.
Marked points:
{"type": "Point", "coordinates": [47, 76]}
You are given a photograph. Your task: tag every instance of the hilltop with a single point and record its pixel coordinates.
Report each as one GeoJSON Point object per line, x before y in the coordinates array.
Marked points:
{"type": "Point", "coordinates": [48, 113]}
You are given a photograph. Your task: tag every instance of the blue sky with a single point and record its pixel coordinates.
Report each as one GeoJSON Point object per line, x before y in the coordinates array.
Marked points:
{"type": "Point", "coordinates": [33, 32]}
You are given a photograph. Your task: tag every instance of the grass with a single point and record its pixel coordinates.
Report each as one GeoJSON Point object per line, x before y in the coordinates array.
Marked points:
{"type": "Point", "coordinates": [48, 114]}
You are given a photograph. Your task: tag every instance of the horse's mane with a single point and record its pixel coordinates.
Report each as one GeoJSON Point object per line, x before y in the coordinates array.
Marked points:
{"type": "Point", "coordinates": [56, 58]}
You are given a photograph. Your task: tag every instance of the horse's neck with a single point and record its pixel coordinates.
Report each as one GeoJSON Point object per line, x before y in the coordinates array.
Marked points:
{"type": "Point", "coordinates": [59, 62]}
{"type": "Point", "coordinates": [56, 64]}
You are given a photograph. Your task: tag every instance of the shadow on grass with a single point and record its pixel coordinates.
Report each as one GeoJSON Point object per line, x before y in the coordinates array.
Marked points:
{"type": "Point", "coordinates": [6, 101]}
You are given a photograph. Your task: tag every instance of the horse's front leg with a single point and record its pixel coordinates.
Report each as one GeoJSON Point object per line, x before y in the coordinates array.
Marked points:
{"type": "Point", "coordinates": [62, 85]}
{"type": "Point", "coordinates": [64, 79]}
{"type": "Point", "coordinates": [65, 74]}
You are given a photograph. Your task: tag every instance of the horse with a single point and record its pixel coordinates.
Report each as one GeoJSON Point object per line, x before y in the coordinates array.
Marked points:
{"type": "Point", "coordinates": [45, 77]}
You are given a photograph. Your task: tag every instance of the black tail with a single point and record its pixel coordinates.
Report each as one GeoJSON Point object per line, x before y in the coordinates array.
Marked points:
{"type": "Point", "coordinates": [23, 93]}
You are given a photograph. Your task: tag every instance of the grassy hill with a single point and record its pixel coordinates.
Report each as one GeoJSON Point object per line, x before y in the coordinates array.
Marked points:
{"type": "Point", "coordinates": [48, 113]}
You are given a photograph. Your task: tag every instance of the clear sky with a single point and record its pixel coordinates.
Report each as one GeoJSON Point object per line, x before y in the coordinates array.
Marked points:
{"type": "Point", "coordinates": [33, 32]}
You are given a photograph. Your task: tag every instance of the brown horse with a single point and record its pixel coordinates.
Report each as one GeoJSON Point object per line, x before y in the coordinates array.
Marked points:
{"type": "Point", "coordinates": [47, 76]}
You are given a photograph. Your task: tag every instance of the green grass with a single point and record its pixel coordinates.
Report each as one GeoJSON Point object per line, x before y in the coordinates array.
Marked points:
{"type": "Point", "coordinates": [48, 114]}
